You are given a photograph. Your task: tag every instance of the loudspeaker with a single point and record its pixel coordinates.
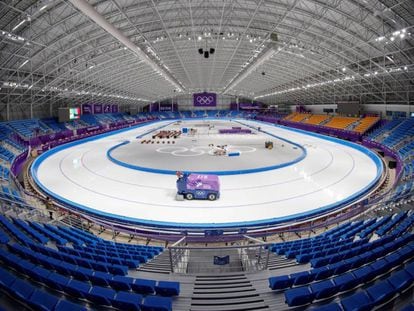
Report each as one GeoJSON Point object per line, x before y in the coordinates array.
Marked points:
{"type": "Point", "coordinates": [212, 50]}
{"type": "Point", "coordinates": [392, 164]}
{"type": "Point", "coordinates": [206, 54]}
{"type": "Point", "coordinates": [200, 51]}
{"type": "Point", "coordinates": [273, 37]}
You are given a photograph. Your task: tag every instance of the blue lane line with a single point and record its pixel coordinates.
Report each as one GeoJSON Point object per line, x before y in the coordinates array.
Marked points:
{"type": "Point", "coordinates": [229, 172]}
{"type": "Point", "coordinates": [164, 224]}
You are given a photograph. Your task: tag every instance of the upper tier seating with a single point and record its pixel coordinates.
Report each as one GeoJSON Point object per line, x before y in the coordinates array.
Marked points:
{"type": "Point", "coordinates": [359, 125]}
{"type": "Point", "coordinates": [317, 119]}
{"type": "Point", "coordinates": [297, 117]}
{"type": "Point", "coordinates": [365, 123]}
{"type": "Point", "coordinates": [29, 128]}
{"type": "Point", "coordinates": [341, 122]}
{"type": "Point", "coordinates": [400, 132]}
{"type": "Point", "coordinates": [379, 132]}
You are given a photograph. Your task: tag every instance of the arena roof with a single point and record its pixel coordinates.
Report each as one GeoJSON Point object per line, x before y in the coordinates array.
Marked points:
{"type": "Point", "coordinates": [131, 51]}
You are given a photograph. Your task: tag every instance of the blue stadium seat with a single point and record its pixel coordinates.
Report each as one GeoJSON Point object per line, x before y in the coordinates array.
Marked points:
{"type": "Point", "coordinates": [380, 292]}
{"type": "Point", "coordinates": [298, 296]}
{"type": "Point", "coordinates": [400, 280]}
{"type": "Point", "coordinates": [166, 288]}
{"type": "Point", "coordinates": [155, 303]}
{"type": "Point", "coordinates": [82, 274]}
{"type": "Point", "coordinates": [409, 307]}
{"type": "Point", "coordinates": [120, 282]}
{"type": "Point", "coordinates": [321, 273]}
{"type": "Point", "coordinates": [359, 301]}
{"type": "Point", "coordinates": [323, 289]}
{"type": "Point", "coordinates": [100, 278]}
{"type": "Point", "coordinates": [406, 253]}
{"type": "Point", "coordinates": [127, 301]}
{"type": "Point", "coordinates": [410, 268]}
{"type": "Point", "coordinates": [340, 267]}
{"type": "Point", "coordinates": [301, 278]}
{"type": "Point", "coordinates": [21, 289]}
{"type": "Point", "coordinates": [39, 274]}
{"type": "Point", "coordinates": [77, 288]}
{"type": "Point", "coordinates": [280, 282]}
{"type": "Point", "coordinates": [57, 281]}
{"type": "Point", "coordinates": [6, 278]}
{"type": "Point", "coordinates": [143, 286]}
{"type": "Point", "coordinates": [363, 274]}
{"type": "Point", "coordinates": [41, 300]}
{"type": "Point", "coordinates": [101, 295]}
{"type": "Point", "coordinates": [65, 305]}
{"type": "Point", "coordinates": [345, 281]}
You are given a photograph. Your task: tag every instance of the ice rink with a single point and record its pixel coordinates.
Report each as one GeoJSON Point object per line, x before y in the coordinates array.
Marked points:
{"type": "Point", "coordinates": [308, 173]}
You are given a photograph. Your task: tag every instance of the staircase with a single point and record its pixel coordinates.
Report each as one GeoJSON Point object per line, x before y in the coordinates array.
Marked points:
{"type": "Point", "coordinates": [326, 121]}
{"type": "Point", "coordinates": [226, 292]}
{"type": "Point", "coordinates": [159, 264]}
{"type": "Point", "coordinates": [277, 262]}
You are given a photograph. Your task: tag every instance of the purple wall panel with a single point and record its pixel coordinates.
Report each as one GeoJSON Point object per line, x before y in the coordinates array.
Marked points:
{"type": "Point", "coordinates": [205, 99]}
{"type": "Point", "coordinates": [97, 108]}
{"type": "Point", "coordinates": [87, 109]}
{"type": "Point", "coordinates": [107, 108]}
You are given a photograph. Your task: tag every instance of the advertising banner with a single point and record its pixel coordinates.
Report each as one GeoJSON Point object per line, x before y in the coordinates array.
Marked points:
{"type": "Point", "coordinates": [97, 108]}
{"type": "Point", "coordinates": [107, 108]}
{"type": "Point", "coordinates": [87, 109]}
{"type": "Point", "coordinates": [165, 107]}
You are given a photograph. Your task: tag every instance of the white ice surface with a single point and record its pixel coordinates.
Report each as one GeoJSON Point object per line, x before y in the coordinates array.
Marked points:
{"type": "Point", "coordinates": [330, 173]}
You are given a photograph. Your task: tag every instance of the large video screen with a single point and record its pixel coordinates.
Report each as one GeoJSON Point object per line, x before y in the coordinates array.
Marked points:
{"type": "Point", "coordinates": [74, 113]}
{"type": "Point", "coordinates": [68, 114]}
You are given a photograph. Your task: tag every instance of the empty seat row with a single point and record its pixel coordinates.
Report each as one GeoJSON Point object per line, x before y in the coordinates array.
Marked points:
{"type": "Point", "coordinates": [141, 255]}
{"type": "Point", "coordinates": [130, 262]}
{"type": "Point", "coordinates": [292, 251]}
{"type": "Point", "coordinates": [304, 277]}
{"type": "Point", "coordinates": [378, 293]}
{"type": "Point", "coordinates": [4, 172]}
{"type": "Point", "coordinates": [395, 220]}
{"type": "Point", "coordinates": [14, 230]}
{"type": "Point", "coordinates": [49, 257]}
{"type": "Point", "coordinates": [311, 255]}
{"type": "Point", "coordinates": [117, 282]}
{"type": "Point", "coordinates": [50, 234]}
{"type": "Point", "coordinates": [32, 296]}
{"type": "Point", "coordinates": [359, 249]}
{"type": "Point", "coordinates": [327, 288]}
{"type": "Point", "coordinates": [42, 300]}
{"type": "Point", "coordinates": [69, 237]}
{"type": "Point", "coordinates": [78, 235]}
{"type": "Point", "coordinates": [370, 229]}
{"type": "Point", "coordinates": [32, 232]}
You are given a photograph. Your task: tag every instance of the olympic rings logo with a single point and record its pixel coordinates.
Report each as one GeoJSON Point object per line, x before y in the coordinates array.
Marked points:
{"type": "Point", "coordinates": [204, 100]}
{"type": "Point", "coordinates": [200, 150]}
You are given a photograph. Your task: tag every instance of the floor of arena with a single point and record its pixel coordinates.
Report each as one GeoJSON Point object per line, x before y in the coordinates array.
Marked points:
{"type": "Point", "coordinates": [302, 174]}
